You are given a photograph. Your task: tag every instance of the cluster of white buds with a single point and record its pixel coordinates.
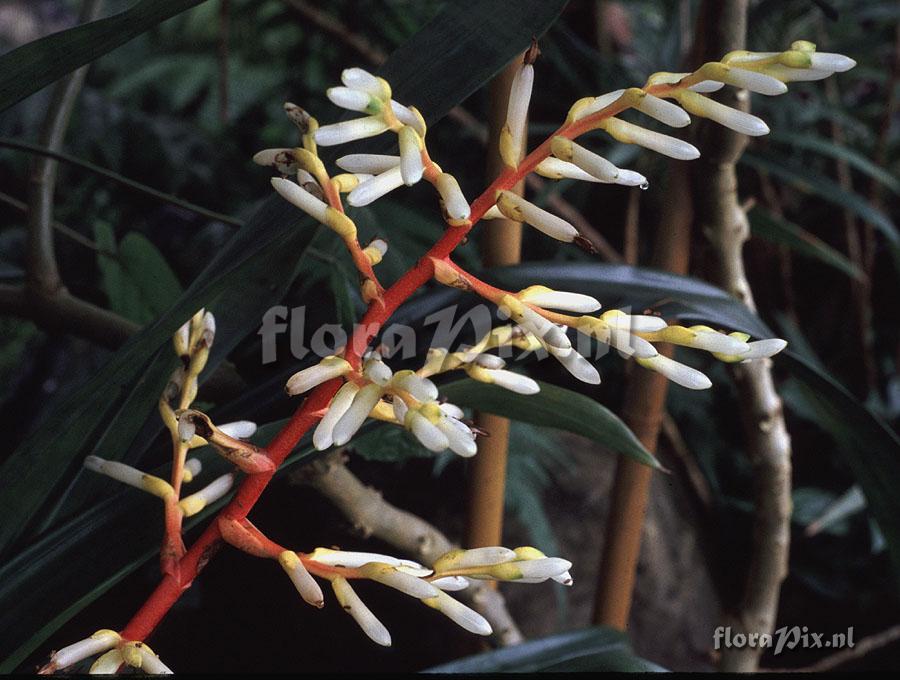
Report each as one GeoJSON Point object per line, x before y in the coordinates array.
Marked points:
{"type": "Point", "coordinates": [114, 653]}
{"type": "Point", "coordinates": [450, 572]}
{"type": "Point", "coordinates": [192, 342]}
{"type": "Point", "coordinates": [368, 176]}
{"type": "Point", "coordinates": [407, 398]}
{"type": "Point", "coordinates": [761, 72]}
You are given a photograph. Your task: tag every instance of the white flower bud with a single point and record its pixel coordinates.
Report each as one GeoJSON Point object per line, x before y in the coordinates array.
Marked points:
{"type": "Point", "coordinates": [599, 103]}
{"type": "Point", "coordinates": [354, 559]}
{"type": "Point", "coordinates": [736, 120]}
{"type": "Point", "coordinates": [460, 614]}
{"type": "Point", "coordinates": [676, 372]}
{"type": "Point", "coordinates": [350, 130]}
{"type": "Point", "coordinates": [827, 61]}
{"type": "Point", "coordinates": [406, 116]}
{"type": "Point", "coordinates": [517, 208]}
{"type": "Point", "coordinates": [216, 489]}
{"type": "Point", "coordinates": [100, 641]}
{"type": "Point", "coordinates": [762, 349]}
{"type": "Point", "coordinates": [303, 581]}
{"type": "Point", "coordinates": [517, 108]}
{"type": "Point", "coordinates": [378, 372]}
{"type": "Point", "coordinates": [281, 159]}
{"type": "Point", "coordinates": [577, 365]}
{"type": "Point", "coordinates": [373, 189]}
{"type": "Point", "coordinates": [630, 178]}
{"type": "Point", "coordinates": [427, 432]}
{"type": "Point", "coordinates": [421, 388]}
{"type": "Point", "coordinates": [347, 98]}
{"type": "Point", "coordinates": [591, 163]}
{"type": "Point", "coordinates": [514, 382]}
{"type": "Point", "coordinates": [720, 343]}
{"type": "Point", "coordinates": [152, 664]}
{"type": "Point", "coordinates": [405, 583]}
{"type": "Point", "coordinates": [108, 664]}
{"type": "Point", "coordinates": [544, 568]}
{"type": "Point", "coordinates": [451, 583]}
{"type": "Point", "coordinates": [362, 405]}
{"type": "Point", "coordinates": [663, 111]}
{"type": "Point", "coordinates": [186, 429]}
{"type": "Point", "coordinates": [554, 299]}
{"type": "Point", "coordinates": [360, 79]}
{"type": "Point", "coordinates": [354, 606]}
{"type": "Point", "coordinates": [301, 198]}
{"type": "Point", "coordinates": [313, 376]}
{"type": "Point", "coordinates": [460, 438]}
{"type": "Point", "coordinates": [476, 557]}
{"type": "Point", "coordinates": [655, 141]}
{"type": "Point", "coordinates": [322, 437]}
{"type": "Point", "coordinates": [118, 471]}
{"type": "Point", "coordinates": [193, 466]}
{"type": "Point", "coordinates": [369, 163]}
{"type": "Point", "coordinates": [706, 86]}
{"type": "Point", "coordinates": [411, 166]}
{"type": "Point", "coordinates": [754, 81]}
{"type": "Point", "coordinates": [453, 411]}
{"type": "Point", "coordinates": [456, 204]}
{"type": "Point", "coordinates": [239, 429]}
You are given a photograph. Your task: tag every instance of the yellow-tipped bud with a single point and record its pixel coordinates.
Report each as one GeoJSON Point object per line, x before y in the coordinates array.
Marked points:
{"type": "Point", "coordinates": [340, 223]}
{"type": "Point", "coordinates": [345, 182]}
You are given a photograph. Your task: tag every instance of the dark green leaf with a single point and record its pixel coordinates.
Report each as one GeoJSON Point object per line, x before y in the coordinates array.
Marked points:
{"type": "Point", "coordinates": [592, 649]}
{"type": "Point", "coordinates": [552, 407]}
{"type": "Point", "coordinates": [866, 444]}
{"type": "Point", "coordinates": [830, 191]}
{"type": "Point", "coordinates": [136, 278]}
{"type": "Point", "coordinates": [775, 229]}
{"type": "Point", "coordinates": [27, 69]}
{"type": "Point", "coordinates": [828, 148]}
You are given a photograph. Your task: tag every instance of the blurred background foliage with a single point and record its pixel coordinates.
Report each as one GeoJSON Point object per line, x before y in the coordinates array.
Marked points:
{"type": "Point", "coordinates": [183, 107]}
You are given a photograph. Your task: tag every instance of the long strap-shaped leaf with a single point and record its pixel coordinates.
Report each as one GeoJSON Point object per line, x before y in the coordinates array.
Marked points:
{"type": "Point", "coordinates": [27, 69]}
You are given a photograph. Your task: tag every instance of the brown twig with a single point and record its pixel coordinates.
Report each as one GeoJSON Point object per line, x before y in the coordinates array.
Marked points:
{"type": "Point", "coordinates": [725, 224]}
{"type": "Point", "coordinates": [22, 207]}
{"type": "Point", "coordinates": [373, 516]}
{"type": "Point", "coordinates": [42, 273]}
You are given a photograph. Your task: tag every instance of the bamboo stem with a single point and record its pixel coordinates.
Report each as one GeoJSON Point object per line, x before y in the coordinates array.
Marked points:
{"type": "Point", "coordinates": [501, 244]}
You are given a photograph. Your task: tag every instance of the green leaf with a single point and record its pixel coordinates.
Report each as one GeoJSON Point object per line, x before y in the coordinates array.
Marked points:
{"type": "Point", "coordinates": [554, 407]}
{"type": "Point", "coordinates": [830, 191]}
{"type": "Point", "coordinates": [828, 148]}
{"type": "Point", "coordinates": [27, 69]}
{"type": "Point", "coordinates": [776, 229]}
{"type": "Point", "coordinates": [590, 649]}
{"type": "Point", "coordinates": [865, 442]}
{"type": "Point", "coordinates": [136, 278]}
{"type": "Point", "coordinates": [462, 47]}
